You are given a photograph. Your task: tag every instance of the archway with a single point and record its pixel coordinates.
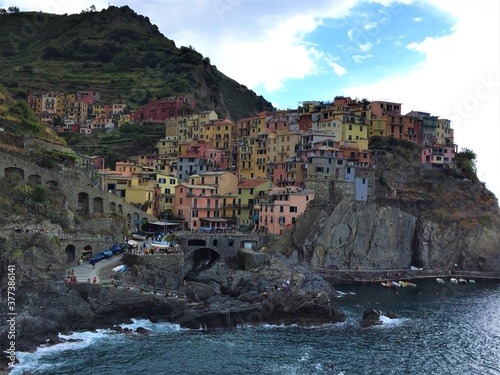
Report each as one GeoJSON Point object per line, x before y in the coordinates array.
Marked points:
{"type": "Point", "coordinates": [202, 259]}
{"type": "Point", "coordinates": [98, 205]}
{"type": "Point", "coordinates": [70, 253]}
{"type": "Point", "coordinates": [83, 204]}
{"type": "Point", "coordinates": [35, 179]}
{"type": "Point", "coordinates": [112, 206]}
{"type": "Point", "coordinates": [14, 174]}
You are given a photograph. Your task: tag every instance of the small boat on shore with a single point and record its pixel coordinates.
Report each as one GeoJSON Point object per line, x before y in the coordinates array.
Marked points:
{"type": "Point", "coordinates": [123, 269]}
{"type": "Point", "coordinates": [440, 280]}
{"type": "Point", "coordinates": [387, 285]}
{"type": "Point", "coordinates": [407, 283]}
{"type": "Point", "coordinates": [160, 244]}
{"type": "Point", "coordinates": [118, 268]}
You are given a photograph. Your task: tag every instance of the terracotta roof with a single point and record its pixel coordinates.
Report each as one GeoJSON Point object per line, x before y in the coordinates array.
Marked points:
{"type": "Point", "coordinates": [252, 183]}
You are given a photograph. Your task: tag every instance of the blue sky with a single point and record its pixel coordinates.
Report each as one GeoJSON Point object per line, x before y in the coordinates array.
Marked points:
{"type": "Point", "coordinates": [438, 56]}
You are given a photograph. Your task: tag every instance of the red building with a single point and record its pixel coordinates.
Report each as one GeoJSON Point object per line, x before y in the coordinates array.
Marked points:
{"type": "Point", "coordinates": [163, 109]}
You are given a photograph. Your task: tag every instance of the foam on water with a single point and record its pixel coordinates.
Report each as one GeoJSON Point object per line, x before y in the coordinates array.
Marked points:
{"type": "Point", "coordinates": [155, 327]}
{"type": "Point", "coordinates": [31, 361]}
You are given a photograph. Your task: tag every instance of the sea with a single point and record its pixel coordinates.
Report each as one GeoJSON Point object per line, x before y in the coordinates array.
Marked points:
{"type": "Point", "coordinates": [440, 329]}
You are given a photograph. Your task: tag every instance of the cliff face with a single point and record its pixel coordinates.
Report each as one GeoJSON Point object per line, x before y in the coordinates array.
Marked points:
{"type": "Point", "coordinates": [372, 236]}
{"type": "Point", "coordinates": [424, 218]}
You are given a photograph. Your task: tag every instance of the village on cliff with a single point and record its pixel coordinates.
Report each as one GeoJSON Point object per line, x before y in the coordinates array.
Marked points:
{"type": "Point", "coordinates": [210, 172]}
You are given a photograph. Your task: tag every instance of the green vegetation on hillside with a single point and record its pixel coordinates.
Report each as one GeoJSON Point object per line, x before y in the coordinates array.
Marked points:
{"type": "Point", "coordinates": [18, 120]}
{"type": "Point", "coordinates": [117, 53]}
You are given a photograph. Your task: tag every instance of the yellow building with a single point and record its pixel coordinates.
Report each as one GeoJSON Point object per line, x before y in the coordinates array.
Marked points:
{"type": "Point", "coordinates": [167, 186]}
{"type": "Point", "coordinates": [140, 192]}
{"type": "Point", "coordinates": [247, 193]}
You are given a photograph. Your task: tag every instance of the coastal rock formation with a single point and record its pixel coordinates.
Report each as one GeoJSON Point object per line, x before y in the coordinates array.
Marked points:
{"type": "Point", "coordinates": [372, 317]}
{"type": "Point", "coordinates": [280, 291]}
{"type": "Point", "coordinates": [413, 217]}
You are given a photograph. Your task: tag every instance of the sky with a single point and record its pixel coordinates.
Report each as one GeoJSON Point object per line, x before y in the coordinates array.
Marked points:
{"type": "Point", "coordinates": [436, 56]}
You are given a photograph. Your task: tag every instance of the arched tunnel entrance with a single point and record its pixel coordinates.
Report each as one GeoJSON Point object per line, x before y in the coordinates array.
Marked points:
{"type": "Point", "coordinates": [202, 259]}
{"type": "Point", "coordinates": [70, 253]}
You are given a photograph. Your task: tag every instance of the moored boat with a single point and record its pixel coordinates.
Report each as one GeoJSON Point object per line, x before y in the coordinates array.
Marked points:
{"type": "Point", "coordinates": [160, 244]}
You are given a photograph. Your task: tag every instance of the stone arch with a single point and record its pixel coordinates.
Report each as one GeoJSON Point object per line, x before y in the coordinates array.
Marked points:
{"type": "Point", "coordinates": [70, 253]}
{"type": "Point", "coordinates": [52, 183]}
{"type": "Point", "coordinates": [83, 203]}
{"type": "Point", "coordinates": [97, 205]}
{"type": "Point", "coordinates": [14, 174]}
{"type": "Point", "coordinates": [120, 209]}
{"type": "Point", "coordinates": [249, 245]}
{"type": "Point", "coordinates": [202, 259]}
{"type": "Point", "coordinates": [112, 206]}
{"type": "Point", "coordinates": [35, 179]}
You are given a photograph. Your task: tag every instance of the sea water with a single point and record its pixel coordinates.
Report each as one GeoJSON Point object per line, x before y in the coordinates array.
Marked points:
{"type": "Point", "coordinates": [440, 329]}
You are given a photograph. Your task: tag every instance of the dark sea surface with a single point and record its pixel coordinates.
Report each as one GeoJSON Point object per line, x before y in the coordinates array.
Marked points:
{"type": "Point", "coordinates": [440, 329]}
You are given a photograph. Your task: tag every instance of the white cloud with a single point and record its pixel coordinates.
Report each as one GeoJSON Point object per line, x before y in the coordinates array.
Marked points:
{"type": "Point", "coordinates": [365, 47]}
{"type": "Point", "coordinates": [459, 80]}
{"type": "Point", "coordinates": [397, 43]}
{"type": "Point", "coordinates": [359, 58]}
{"type": "Point", "coordinates": [339, 70]}
{"type": "Point", "coordinates": [417, 19]}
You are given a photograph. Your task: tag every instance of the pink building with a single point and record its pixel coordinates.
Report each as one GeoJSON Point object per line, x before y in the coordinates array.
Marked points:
{"type": "Point", "coordinates": [280, 209]}
{"type": "Point", "coordinates": [199, 206]}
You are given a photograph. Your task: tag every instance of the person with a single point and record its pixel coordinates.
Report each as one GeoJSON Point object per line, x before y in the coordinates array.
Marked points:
{"type": "Point", "coordinates": [88, 280]}
{"type": "Point", "coordinates": [95, 279]}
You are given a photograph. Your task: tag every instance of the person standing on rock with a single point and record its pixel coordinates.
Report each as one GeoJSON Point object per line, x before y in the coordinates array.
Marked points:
{"type": "Point", "coordinates": [95, 279]}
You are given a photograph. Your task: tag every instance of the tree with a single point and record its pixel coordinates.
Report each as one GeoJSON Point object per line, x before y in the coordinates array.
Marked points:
{"type": "Point", "coordinates": [92, 8]}
{"type": "Point", "coordinates": [466, 162]}
{"type": "Point", "coordinates": [13, 9]}
{"type": "Point", "coordinates": [3, 11]}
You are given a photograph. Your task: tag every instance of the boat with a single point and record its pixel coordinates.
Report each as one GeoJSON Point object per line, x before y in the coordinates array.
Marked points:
{"type": "Point", "coordinates": [132, 243]}
{"type": "Point", "coordinates": [462, 280]}
{"type": "Point", "coordinates": [160, 244]}
{"type": "Point", "coordinates": [116, 249]}
{"type": "Point", "coordinates": [387, 284]}
{"type": "Point", "coordinates": [472, 281]}
{"type": "Point", "coordinates": [397, 285]}
{"type": "Point", "coordinates": [453, 280]}
{"type": "Point", "coordinates": [440, 280]}
{"type": "Point", "coordinates": [123, 269]}
{"type": "Point", "coordinates": [407, 283]}
{"type": "Point", "coordinates": [108, 253]}
{"type": "Point", "coordinates": [97, 258]}
{"type": "Point", "coordinates": [118, 268]}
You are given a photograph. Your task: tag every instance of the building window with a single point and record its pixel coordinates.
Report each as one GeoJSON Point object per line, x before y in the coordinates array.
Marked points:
{"type": "Point", "coordinates": [282, 209]}
{"type": "Point", "coordinates": [293, 208]}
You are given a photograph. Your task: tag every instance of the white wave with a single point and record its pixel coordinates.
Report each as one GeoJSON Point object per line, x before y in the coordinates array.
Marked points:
{"type": "Point", "coordinates": [31, 361]}
{"type": "Point", "coordinates": [155, 327]}
{"type": "Point", "coordinates": [391, 322]}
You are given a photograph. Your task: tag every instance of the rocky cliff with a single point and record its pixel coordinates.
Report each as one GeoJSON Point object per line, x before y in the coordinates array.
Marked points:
{"type": "Point", "coordinates": [414, 217]}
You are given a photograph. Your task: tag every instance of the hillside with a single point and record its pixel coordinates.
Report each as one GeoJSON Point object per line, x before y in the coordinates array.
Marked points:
{"type": "Point", "coordinates": [117, 53]}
